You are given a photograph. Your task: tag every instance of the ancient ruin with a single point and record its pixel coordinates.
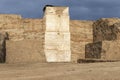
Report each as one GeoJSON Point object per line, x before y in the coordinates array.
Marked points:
{"type": "Point", "coordinates": [57, 34]}
{"type": "Point", "coordinates": [56, 38]}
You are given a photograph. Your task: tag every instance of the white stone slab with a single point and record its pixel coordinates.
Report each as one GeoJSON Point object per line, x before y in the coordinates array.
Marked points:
{"type": "Point", "coordinates": [57, 37]}
{"type": "Point", "coordinates": [57, 23]}
{"type": "Point", "coordinates": [64, 25]}
{"type": "Point", "coordinates": [57, 46]}
{"type": "Point", "coordinates": [58, 56]}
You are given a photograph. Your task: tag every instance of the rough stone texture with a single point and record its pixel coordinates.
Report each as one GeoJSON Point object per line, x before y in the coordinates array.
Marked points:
{"type": "Point", "coordinates": [116, 30]}
{"type": "Point", "coordinates": [25, 51]}
{"type": "Point", "coordinates": [110, 50]}
{"type": "Point", "coordinates": [57, 34]}
{"type": "Point", "coordinates": [3, 37]}
{"type": "Point", "coordinates": [20, 29]}
{"type": "Point", "coordinates": [33, 29]}
{"type": "Point", "coordinates": [93, 50]}
{"type": "Point", "coordinates": [103, 29]}
{"type": "Point", "coordinates": [12, 24]}
{"type": "Point", "coordinates": [81, 34]}
{"type": "Point", "coordinates": [106, 36]}
{"type": "Point", "coordinates": [105, 50]}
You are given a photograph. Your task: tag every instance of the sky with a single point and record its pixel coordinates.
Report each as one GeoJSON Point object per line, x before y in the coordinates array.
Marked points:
{"type": "Point", "coordinates": [79, 9]}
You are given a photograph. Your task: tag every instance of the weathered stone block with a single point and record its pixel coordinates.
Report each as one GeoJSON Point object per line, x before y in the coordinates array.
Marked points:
{"type": "Point", "coordinates": [58, 55]}
{"type": "Point", "coordinates": [59, 44]}
{"type": "Point", "coordinates": [103, 29]}
{"type": "Point", "coordinates": [24, 51]}
{"type": "Point", "coordinates": [54, 37]}
{"type": "Point", "coordinates": [57, 35]}
{"type": "Point", "coordinates": [105, 50]}
{"type": "Point", "coordinates": [111, 50]}
{"type": "Point", "coordinates": [93, 50]}
{"type": "Point", "coordinates": [57, 23]}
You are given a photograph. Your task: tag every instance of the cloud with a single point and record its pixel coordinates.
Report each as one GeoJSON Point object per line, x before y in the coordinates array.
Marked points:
{"type": "Point", "coordinates": [79, 9]}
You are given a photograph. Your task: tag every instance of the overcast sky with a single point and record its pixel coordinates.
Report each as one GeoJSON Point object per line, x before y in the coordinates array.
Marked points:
{"type": "Point", "coordinates": [79, 9]}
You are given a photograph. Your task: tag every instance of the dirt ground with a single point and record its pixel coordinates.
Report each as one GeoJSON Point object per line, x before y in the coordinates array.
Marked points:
{"type": "Point", "coordinates": [61, 71]}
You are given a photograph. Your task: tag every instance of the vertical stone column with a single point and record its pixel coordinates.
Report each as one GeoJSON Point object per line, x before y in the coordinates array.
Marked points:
{"type": "Point", "coordinates": [57, 34]}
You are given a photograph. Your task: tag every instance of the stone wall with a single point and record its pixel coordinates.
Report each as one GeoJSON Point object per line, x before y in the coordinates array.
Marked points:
{"type": "Point", "coordinates": [89, 39]}
{"type": "Point", "coordinates": [103, 29]}
{"type": "Point", "coordinates": [106, 38]}
{"type": "Point", "coordinates": [20, 29]}
{"type": "Point", "coordinates": [33, 29]}
{"type": "Point", "coordinates": [12, 24]}
{"type": "Point", "coordinates": [104, 50]}
{"type": "Point", "coordinates": [24, 51]}
{"type": "Point", "coordinates": [81, 34]}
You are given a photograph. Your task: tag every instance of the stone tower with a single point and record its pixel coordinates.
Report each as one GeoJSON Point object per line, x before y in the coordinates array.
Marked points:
{"type": "Point", "coordinates": [57, 34]}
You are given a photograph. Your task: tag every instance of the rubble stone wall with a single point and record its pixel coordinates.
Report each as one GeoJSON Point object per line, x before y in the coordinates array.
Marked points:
{"type": "Point", "coordinates": [105, 50]}
{"type": "Point", "coordinates": [103, 29]}
{"type": "Point", "coordinates": [106, 40]}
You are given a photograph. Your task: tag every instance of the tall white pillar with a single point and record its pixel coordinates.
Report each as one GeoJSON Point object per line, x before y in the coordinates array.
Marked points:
{"type": "Point", "coordinates": [57, 34]}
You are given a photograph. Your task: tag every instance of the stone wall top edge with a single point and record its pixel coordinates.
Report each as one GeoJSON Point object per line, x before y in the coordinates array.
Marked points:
{"type": "Point", "coordinates": [11, 15]}
{"type": "Point", "coordinates": [32, 19]}
{"type": "Point", "coordinates": [82, 20]}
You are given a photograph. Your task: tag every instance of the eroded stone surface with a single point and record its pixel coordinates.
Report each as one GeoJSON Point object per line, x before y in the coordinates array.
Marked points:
{"type": "Point", "coordinates": [103, 29]}
{"type": "Point", "coordinates": [25, 51]}
{"type": "Point", "coordinates": [105, 50]}
{"type": "Point", "coordinates": [58, 32]}
{"type": "Point", "coordinates": [57, 35]}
